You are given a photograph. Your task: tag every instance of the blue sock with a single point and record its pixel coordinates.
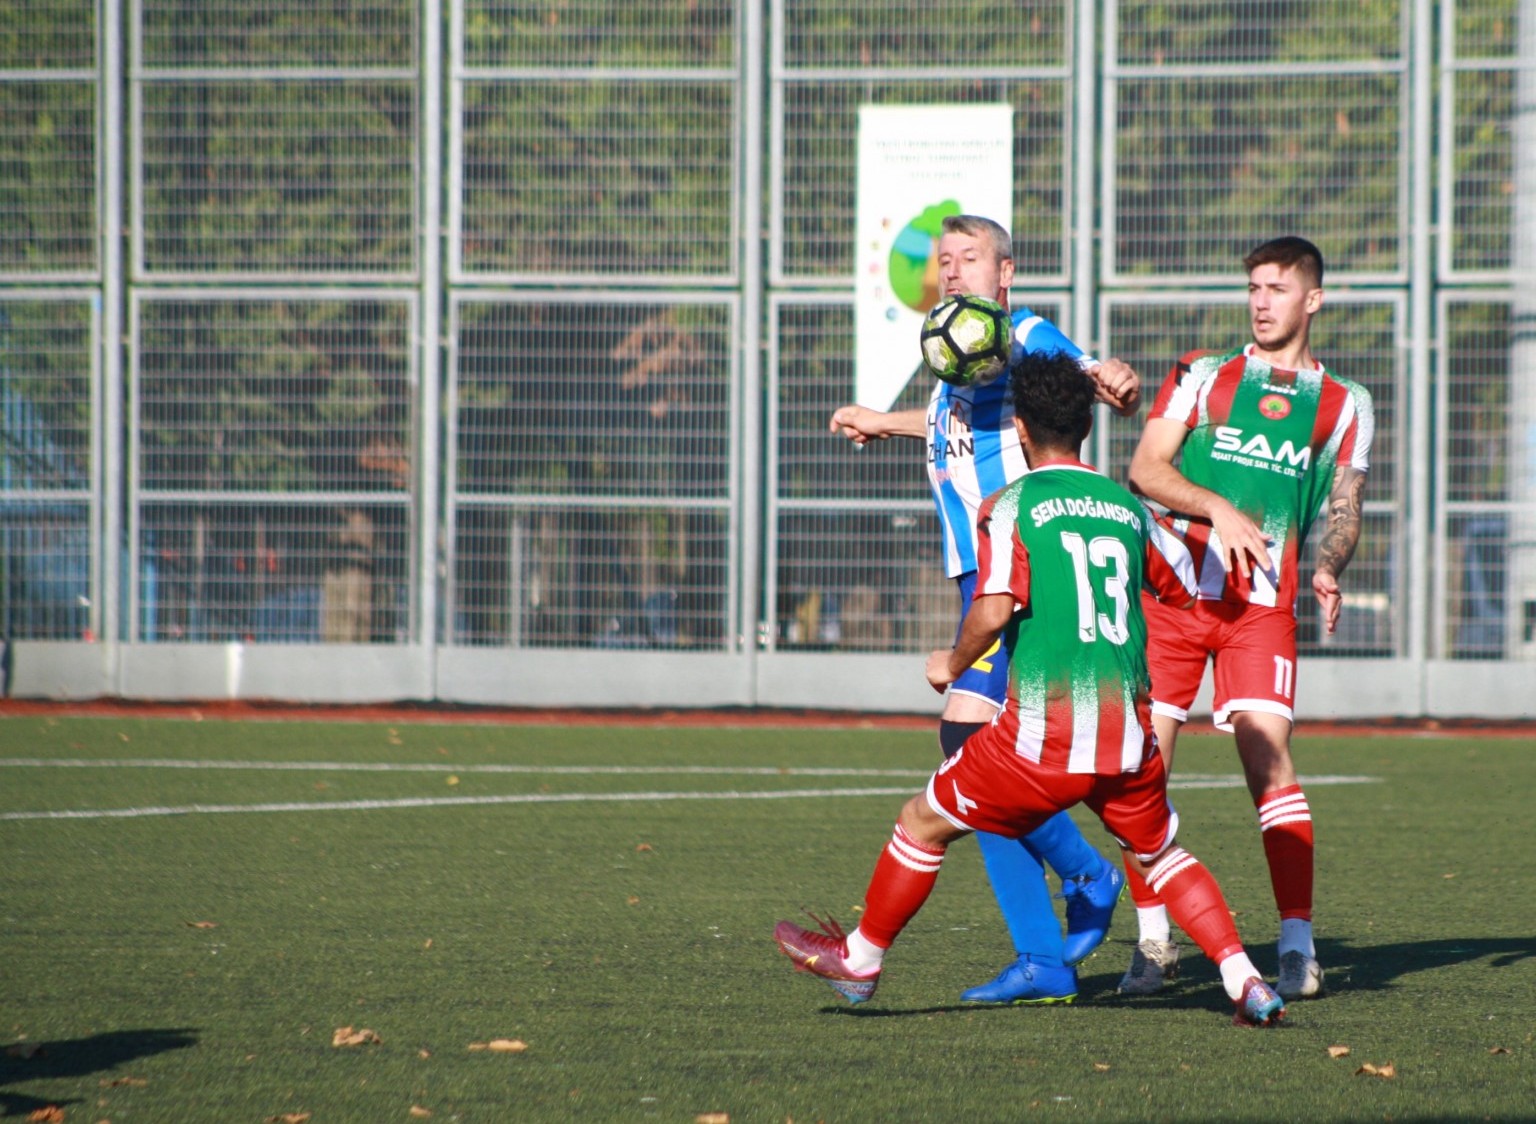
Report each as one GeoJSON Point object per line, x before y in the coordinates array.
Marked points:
{"type": "Point", "coordinates": [1015, 871]}
{"type": "Point", "coordinates": [1059, 842]}
{"type": "Point", "coordinates": [1018, 882]}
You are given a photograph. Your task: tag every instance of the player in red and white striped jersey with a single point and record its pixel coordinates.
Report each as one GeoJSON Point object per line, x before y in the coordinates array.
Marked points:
{"type": "Point", "coordinates": [1063, 554]}
{"type": "Point", "coordinates": [1263, 437]}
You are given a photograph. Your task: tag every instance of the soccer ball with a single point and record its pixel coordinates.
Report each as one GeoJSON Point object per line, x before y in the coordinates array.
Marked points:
{"type": "Point", "coordinates": [967, 339]}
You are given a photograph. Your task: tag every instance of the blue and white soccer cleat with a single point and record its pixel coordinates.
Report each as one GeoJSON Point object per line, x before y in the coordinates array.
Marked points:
{"type": "Point", "coordinates": [1090, 905]}
{"type": "Point", "coordinates": [1025, 983]}
{"type": "Point", "coordinates": [824, 954]}
{"type": "Point", "coordinates": [1301, 976]}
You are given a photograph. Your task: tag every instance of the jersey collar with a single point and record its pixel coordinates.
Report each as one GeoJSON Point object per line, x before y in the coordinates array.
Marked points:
{"type": "Point", "coordinates": [1248, 354]}
{"type": "Point", "coordinates": [1064, 462]}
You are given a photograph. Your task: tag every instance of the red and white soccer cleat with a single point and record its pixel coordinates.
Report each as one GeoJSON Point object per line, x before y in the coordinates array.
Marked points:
{"type": "Point", "coordinates": [825, 954]}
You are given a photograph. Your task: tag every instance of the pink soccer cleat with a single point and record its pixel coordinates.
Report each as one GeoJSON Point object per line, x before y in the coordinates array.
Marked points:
{"type": "Point", "coordinates": [824, 954]}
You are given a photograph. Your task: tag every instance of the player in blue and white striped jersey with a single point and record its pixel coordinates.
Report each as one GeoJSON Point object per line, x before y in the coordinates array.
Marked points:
{"type": "Point", "coordinates": [973, 450]}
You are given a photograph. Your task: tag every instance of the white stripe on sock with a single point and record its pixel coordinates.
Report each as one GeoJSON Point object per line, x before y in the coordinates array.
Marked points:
{"type": "Point", "coordinates": [1170, 865]}
{"type": "Point", "coordinates": [913, 857]}
{"type": "Point", "coordinates": [1292, 808]}
{"type": "Point", "coordinates": [1276, 821]}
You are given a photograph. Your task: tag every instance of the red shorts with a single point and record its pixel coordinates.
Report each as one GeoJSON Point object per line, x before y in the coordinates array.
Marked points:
{"type": "Point", "coordinates": [1252, 647]}
{"type": "Point", "coordinates": [986, 786]}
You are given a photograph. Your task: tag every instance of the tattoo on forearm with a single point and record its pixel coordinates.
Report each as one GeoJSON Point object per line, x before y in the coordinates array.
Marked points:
{"type": "Point", "coordinates": [1345, 507]}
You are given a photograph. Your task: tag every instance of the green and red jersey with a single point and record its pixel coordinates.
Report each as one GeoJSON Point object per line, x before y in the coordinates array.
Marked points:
{"type": "Point", "coordinates": [1269, 441]}
{"type": "Point", "coordinates": [1075, 550]}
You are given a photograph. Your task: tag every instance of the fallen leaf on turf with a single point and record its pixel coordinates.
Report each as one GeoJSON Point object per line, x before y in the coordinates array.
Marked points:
{"type": "Point", "coordinates": [49, 1114]}
{"type": "Point", "coordinates": [1498, 1049]}
{"type": "Point", "coordinates": [289, 1118]}
{"type": "Point", "coordinates": [423, 1053]}
{"type": "Point", "coordinates": [428, 944]}
{"type": "Point", "coordinates": [417, 1110]}
{"type": "Point", "coordinates": [644, 847]}
{"type": "Point", "coordinates": [1338, 1051]}
{"type": "Point", "coordinates": [202, 924]}
{"type": "Point", "coordinates": [1386, 1071]}
{"type": "Point", "coordinates": [23, 1050]}
{"type": "Point", "coordinates": [712, 1118]}
{"type": "Point", "coordinates": [632, 900]}
{"type": "Point", "coordinates": [1101, 1067]}
{"type": "Point", "coordinates": [346, 1036]}
{"type": "Point", "coordinates": [453, 781]}
{"type": "Point", "coordinates": [501, 1045]}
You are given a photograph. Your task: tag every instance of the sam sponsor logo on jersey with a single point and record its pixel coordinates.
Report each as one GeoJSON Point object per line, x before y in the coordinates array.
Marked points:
{"type": "Point", "coordinates": [1237, 447]}
{"type": "Point", "coordinates": [1082, 507]}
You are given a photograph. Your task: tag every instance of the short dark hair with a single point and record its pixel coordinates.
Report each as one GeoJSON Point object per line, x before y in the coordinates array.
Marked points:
{"type": "Point", "coordinates": [1053, 396]}
{"type": "Point", "coordinates": [1290, 252]}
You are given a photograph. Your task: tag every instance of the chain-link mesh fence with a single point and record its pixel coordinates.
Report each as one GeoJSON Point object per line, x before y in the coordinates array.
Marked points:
{"type": "Point", "coordinates": [617, 439]}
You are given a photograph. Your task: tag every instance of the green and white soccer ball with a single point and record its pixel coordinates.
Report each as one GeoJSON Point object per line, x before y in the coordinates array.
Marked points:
{"type": "Point", "coordinates": [967, 339]}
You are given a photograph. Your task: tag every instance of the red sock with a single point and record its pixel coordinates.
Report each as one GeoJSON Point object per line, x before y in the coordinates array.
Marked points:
{"type": "Point", "coordinates": [1142, 894]}
{"type": "Point", "coordinates": [903, 878]}
{"type": "Point", "coordinates": [1195, 903]}
{"type": "Point", "coordinates": [1285, 824]}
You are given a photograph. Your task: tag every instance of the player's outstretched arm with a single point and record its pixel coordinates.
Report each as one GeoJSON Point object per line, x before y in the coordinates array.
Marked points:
{"type": "Point", "coordinates": [1346, 509]}
{"type": "Point", "coordinates": [862, 425]}
{"type": "Point", "coordinates": [1154, 475]}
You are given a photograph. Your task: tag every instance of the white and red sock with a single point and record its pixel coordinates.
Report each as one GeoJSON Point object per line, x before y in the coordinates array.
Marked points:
{"type": "Point", "coordinates": [904, 877]}
{"type": "Point", "coordinates": [1285, 823]}
{"type": "Point", "coordinates": [1151, 913]}
{"type": "Point", "coordinates": [1196, 903]}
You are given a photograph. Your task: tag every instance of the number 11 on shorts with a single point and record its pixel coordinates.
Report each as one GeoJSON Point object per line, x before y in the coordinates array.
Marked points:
{"type": "Point", "coordinates": [1285, 677]}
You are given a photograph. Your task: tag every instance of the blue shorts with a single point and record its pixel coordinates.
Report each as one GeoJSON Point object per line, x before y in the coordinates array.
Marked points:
{"type": "Point", "coordinates": [987, 678]}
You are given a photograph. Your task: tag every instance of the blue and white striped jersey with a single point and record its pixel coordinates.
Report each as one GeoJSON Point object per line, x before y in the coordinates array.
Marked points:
{"type": "Point", "coordinates": [973, 449]}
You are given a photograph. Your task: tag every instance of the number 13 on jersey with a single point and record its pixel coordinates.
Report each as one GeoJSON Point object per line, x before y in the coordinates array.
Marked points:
{"type": "Point", "coordinates": [1103, 558]}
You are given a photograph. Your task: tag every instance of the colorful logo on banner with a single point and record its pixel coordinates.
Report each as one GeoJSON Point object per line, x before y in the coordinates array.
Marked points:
{"type": "Point", "coordinates": [914, 263]}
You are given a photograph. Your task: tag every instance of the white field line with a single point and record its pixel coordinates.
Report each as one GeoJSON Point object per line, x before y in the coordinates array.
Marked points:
{"type": "Point", "coordinates": [438, 767]}
{"type": "Point", "coordinates": [1192, 780]}
{"type": "Point", "coordinates": [442, 802]}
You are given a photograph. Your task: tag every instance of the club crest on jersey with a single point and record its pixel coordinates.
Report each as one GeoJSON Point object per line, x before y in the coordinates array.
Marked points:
{"type": "Point", "coordinates": [1274, 407]}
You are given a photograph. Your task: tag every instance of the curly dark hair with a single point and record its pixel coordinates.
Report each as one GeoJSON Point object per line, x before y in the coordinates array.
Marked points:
{"type": "Point", "coordinates": [1053, 397]}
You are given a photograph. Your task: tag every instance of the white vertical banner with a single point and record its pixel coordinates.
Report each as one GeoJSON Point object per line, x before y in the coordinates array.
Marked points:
{"type": "Point", "coordinates": [917, 165]}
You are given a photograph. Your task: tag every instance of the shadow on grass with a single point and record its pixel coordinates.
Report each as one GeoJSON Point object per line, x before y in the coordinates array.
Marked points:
{"type": "Point", "coordinates": [1371, 967]}
{"type": "Point", "coordinates": [1366, 967]}
{"type": "Point", "coordinates": [79, 1057]}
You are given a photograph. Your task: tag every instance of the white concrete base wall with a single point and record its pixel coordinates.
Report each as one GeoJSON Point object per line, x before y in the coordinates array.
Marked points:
{"type": "Point", "coordinates": [606, 679]}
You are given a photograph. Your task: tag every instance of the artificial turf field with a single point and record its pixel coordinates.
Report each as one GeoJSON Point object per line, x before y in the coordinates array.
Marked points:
{"type": "Point", "coordinates": [235, 893]}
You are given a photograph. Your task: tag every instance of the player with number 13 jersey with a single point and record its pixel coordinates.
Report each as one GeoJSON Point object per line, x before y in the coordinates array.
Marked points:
{"type": "Point", "coordinates": [1075, 550]}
